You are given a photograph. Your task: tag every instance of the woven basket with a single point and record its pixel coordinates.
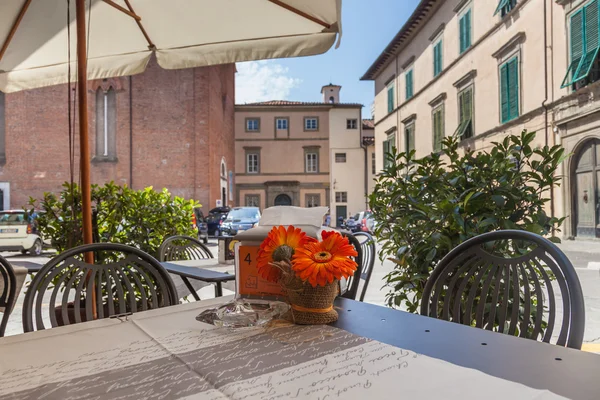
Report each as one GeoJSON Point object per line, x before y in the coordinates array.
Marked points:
{"type": "Point", "coordinates": [311, 305]}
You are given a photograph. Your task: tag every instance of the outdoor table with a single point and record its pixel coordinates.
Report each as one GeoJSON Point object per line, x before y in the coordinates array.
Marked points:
{"type": "Point", "coordinates": [167, 354]}
{"type": "Point", "coordinates": [206, 270]}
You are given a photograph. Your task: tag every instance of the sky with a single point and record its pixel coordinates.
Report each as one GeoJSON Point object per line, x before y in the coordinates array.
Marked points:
{"type": "Point", "coordinates": [368, 26]}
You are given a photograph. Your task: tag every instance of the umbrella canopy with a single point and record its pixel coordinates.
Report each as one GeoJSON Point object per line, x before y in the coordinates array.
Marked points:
{"type": "Point", "coordinates": [118, 37]}
{"type": "Point", "coordinates": [122, 35]}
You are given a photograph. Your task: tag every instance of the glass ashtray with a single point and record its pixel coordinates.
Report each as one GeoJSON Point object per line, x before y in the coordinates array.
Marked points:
{"type": "Point", "coordinates": [243, 313]}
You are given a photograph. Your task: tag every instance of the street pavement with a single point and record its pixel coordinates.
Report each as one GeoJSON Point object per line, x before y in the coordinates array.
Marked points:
{"type": "Point", "coordinates": [585, 256]}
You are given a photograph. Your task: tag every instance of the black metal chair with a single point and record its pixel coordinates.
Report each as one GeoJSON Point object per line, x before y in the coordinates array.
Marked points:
{"type": "Point", "coordinates": [505, 281]}
{"type": "Point", "coordinates": [177, 248]}
{"type": "Point", "coordinates": [367, 245]}
{"type": "Point", "coordinates": [8, 295]}
{"type": "Point", "coordinates": [353, 282]}
{"type": "Point", "coordinates": [122, 280]}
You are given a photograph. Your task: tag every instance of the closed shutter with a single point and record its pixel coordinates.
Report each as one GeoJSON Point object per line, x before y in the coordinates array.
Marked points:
{"type": "Point", "coordinates": [468, 104]}
{"type": "Point", "coordinates": [438, 129]}
{"type": "Point", "coordinates": [410, 138]}
{"type": "Point", "coordinates": [390, 94]}
{"type": "Point", "coordinates": [386, 150]}
{"type": "Point", "coordinates": [409, 84]}
{"type": "Point", "coordinates": [467, 29]}
{"type": "Point", "coordinates": [513, 88]}
{"type": "Point", "coordinates": [504, 93]}
{"type": "Point", "coordinates": [437, 58]}
{"type": "Point", "coordinates": [461, 29]}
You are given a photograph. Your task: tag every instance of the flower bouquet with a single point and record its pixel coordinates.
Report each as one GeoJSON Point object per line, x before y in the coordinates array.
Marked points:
{"type": "Point", "coordinates": [309, 270]}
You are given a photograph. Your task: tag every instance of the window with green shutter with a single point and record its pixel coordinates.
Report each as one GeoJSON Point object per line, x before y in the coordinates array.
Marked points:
{"type": "Point", "coordinates": [465, 30]}
{"type": "Point", "coordinates": [505, 6]}
{"type": "Point", "coordinates": [438, 128]}
{"type": "Point", "coordinates": [390, 96]}
{"type": "Point", "coordinates": [409, 137]}
{"type": "Point", "coordinates": [584, 43]}
{"type": "Point", "coordinates": [409, 84]}
{"type": "Point", "coordinates": [465, 110]}
{"type": "Point", "coordinates": [388, 145]}
{"type": "Point", "coordinates": [437, 58]}
{"type": "Point", "coordinates": [509, 90]}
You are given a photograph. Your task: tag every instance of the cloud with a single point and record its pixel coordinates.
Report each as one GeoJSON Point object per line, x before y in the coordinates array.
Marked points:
{"type": "Point", "coordinates": [262, 81]}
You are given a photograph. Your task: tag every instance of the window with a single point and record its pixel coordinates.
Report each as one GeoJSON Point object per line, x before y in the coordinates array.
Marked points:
{"type": "Point", "coordinates": [409, 137]}
{"type": "Point", "coordinates": [340, 157]}
{"type": "Point", "coordinates": [409, 84]}
{"type": "Point", "coordinates": [584, 45]}
{"type": "Point", "coordinates": [464, 23]}
{"type": "Point", "coordinates": [252, 200]}
{"type": "Point", "coordinates": [2, 130]}
{"type": "Point", "coordinates": [437, 58]}
{"type": "Point", "coordinates": [313, 200]}
{"type": "Point", "coordinates": [341, 197]}
{"type": "Point", "coordinates": [465, 111]}
{"type": "Point", "coordinates": [311, 124]}
{"type": "Point", "coordinates": [438, 128]}
{"type": "Point", "coordinates": [106, 124]}
{"type": "Point", "coordinates": [505, 6]}
{"type": "Point", "coordinates": [388, 146]}
{"type": "Point", "coordinates": [351, 124]}
{"type": "Point", "coordinates": [253, 163]}
{"type": "Point", "coordinates": [281, 123]}
{"type": "Point", "coordinates": [373, 164]}
{"type": "Point", "coordinates": [390, 96]}
{"type": "Point", "coordinates": [509, 89]}
{"type": "Point", "coordinates": [312, 162]}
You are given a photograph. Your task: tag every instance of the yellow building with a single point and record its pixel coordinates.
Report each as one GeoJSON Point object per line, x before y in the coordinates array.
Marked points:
{"type": "Point", "coordinates": [487, 69]}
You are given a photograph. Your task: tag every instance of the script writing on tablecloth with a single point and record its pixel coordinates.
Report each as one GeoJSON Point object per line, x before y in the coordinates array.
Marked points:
{"type": "Point", "coordinates": [249, 283]}
{"type": "Point", "coordinates": [316, 362]}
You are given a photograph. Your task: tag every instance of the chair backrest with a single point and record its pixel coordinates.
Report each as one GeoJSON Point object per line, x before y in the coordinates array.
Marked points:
{"type": "Point", "coordinates": [8, 295]}
{"type": "Point", "coordinates": [505, 281]}
{"type": "Point", "coordinates": [121, 280]}
{"type": "Point", "coordinates": [354, 281]}
{"type": "Point", "coordinates": [176, 248]}
{"type": "Point", "coordinates": [367, 244]}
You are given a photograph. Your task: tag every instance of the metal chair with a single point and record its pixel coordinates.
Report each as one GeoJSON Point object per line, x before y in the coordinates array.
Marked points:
{"type": "Point", "coordinates": [503, 281]}
{"type": "Point", "coordinates": [122, 280]}
{"type": "Point", "coordinates": [177, 248]}
{"type": "Point", "coordinates": [353, 282]}
{"type": "Point", "coordinates": [367, 245]}
{"type": "Point", "coordinates": [8, 295]}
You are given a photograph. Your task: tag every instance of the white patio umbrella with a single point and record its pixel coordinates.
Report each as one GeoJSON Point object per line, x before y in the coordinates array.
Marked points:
{"type": "Point", "coordinates": [122, 36]}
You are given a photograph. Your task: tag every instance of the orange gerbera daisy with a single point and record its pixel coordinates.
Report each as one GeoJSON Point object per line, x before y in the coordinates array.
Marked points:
{"type": "Point", "coordinates": [320, 263]}
{"type": "Point", "coordinates": [279, 245]}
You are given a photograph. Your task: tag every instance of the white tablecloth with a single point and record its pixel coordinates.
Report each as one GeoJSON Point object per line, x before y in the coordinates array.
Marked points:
{"type": "Point", "coordinates": [167, 354]}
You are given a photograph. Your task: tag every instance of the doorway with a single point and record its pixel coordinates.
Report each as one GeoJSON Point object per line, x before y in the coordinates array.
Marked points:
{"type": "Point", "coordinates": [340, 213]}
{"type": "Point", "coordinates": [283, 200]}
{"type": "Point", "coordinates": [586, 196]}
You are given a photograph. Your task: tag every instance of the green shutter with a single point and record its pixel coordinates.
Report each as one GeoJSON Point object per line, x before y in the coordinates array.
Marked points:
{"type": "Point", "coordinates": [577, 46]}
{"type": "Point", "coordinates": [504, 93]}
{"type": "Point", "coordinates": [409, 133]}
{"type": "Point", "coordinates": [501, 5]}
{"type": "Point", "coordinates": [590, 42]}
{"type": "Point", "coordinates": [409, 84]}
{"type": "Point", "coordinates": [386, 150]}
{"type": "Point", "coordinates": [390, 98]}
{"type": "Point", "coordinates": [438, 129]}
{"type": "Point", "coordinates": [468, 29]}
{"type": "Point", "coordinates": [513, 88]}
{"type": "Point", "coordinates": [461, 30]}
{"type": "Point", "coordinates": [437, 58]}
{"type": "Point", "coordinates": [468, 100]}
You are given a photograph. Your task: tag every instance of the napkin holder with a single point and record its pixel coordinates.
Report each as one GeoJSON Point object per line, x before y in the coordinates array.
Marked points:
{"type": "Point", "coordinates": [248, 283]}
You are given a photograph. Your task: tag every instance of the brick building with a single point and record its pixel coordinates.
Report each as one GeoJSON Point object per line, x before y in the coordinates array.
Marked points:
{"type": "Point", "coordinates": [162, 128]}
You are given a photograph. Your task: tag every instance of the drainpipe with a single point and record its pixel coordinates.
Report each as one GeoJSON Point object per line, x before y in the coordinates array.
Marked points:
{"type": "Point", "coordinates": [131, 132]}
{"type": "Point", "coordinates": [362, 145]}
{"type": "Point", "coordinates": [544, 105]}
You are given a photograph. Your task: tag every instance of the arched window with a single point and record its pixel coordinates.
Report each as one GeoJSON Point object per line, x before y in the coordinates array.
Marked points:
{"type": "Point", "coordinates": [106, 124]}
{"type": "Point", "coordinates": [332, 99]}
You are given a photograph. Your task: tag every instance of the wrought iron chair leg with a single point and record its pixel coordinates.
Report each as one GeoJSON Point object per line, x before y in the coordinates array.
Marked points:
{"type": "Point", "coordinates": [190, 288]}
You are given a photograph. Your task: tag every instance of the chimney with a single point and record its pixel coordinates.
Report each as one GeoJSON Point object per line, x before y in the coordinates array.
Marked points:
{"type": "Point", "coordinates": [331, 93]}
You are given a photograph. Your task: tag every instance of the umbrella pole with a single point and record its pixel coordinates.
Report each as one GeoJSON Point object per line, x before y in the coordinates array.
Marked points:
{"type": "Point", "coordinates": [84, 149]}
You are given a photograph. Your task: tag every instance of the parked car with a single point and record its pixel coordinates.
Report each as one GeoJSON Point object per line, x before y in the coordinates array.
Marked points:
{"type": "Point", "coordinates": [199, 223]}
{"type": "Point", "coordinates": [19, 232]}
{"type": "Point", "coordinates": [240, 219]}
{"type": "Point", "coordinates": [215, 219]}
